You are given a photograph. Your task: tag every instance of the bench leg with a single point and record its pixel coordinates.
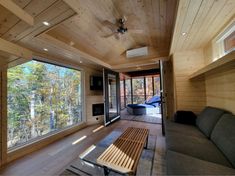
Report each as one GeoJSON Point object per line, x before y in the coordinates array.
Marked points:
{"type": "Point", "coordinates": [146, 144]}
{"type": "Point", "coordinates": [106, 171]}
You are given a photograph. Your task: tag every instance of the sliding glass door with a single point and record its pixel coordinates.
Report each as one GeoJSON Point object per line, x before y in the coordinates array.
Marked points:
{"type": "Point", "coordinates": [140, 89]}
{"type": "Point", "coordinates": [112, 96]}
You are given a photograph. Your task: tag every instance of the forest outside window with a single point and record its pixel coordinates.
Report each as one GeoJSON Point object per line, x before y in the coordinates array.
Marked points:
{"type": "Point", "coordinates": [42, 98]}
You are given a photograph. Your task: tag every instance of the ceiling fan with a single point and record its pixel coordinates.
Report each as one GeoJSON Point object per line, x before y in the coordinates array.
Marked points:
{"type": "Point", "coordinates": [119, 28]}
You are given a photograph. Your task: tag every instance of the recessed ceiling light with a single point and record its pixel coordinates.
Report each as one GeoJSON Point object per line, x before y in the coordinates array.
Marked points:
{"type": "Point", "coordinates": [45, 49]}
{"type": "Point", "coordinates": [184, 33]}
{"type": "Point", "coordinates": [46, 23]}
{"type": "Point", "coordinates": [80, 62]}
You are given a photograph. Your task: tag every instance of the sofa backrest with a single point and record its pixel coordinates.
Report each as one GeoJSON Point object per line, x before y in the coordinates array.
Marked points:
{"type": "Point", "coordinates": [223, 135]}
{"type": "Point", "coordinates": [208, 118]}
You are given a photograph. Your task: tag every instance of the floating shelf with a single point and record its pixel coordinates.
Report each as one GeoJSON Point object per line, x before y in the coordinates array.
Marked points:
{"type": "Point", "coordinates": [223, 61]}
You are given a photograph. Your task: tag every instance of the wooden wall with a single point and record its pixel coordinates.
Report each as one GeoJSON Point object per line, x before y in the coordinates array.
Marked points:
{"type": "Point", "coordinates": [189, 95]}
{"type": "Point", "coordinates": [168, 88]}
{"type": "Point", "coordinates": [220, 90]}
{"type": "Point", "coordinates": [92, 97]}
{"type": "Point", "coordinates": [220, 85]}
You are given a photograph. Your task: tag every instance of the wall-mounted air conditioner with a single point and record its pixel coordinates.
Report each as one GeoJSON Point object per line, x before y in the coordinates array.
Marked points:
{"type": "Point", "coordinates": [143, 51]}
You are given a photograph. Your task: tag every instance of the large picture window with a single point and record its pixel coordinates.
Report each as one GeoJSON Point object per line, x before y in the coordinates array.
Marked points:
{"type": "Point", "coordinates": [42, 98]}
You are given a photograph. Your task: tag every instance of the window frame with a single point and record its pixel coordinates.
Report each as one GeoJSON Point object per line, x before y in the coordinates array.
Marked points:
{"type": "Point", "coordinates": [63, 130]}
{"type": "Point", "coordinates": [218, 45]}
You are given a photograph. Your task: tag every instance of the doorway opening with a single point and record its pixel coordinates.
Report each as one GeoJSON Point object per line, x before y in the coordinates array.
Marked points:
{"type": "Point", "coordinates": [140, 94]}
{"type": "Point", "coordinates": [111, 96]}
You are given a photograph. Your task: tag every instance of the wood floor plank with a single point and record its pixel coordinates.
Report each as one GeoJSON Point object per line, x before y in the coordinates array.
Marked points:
{"type": "Point", "coordinates": [42, 163]}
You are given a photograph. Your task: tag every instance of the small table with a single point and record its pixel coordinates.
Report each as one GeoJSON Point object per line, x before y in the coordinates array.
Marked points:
{"type": "Point", "coordinates": [124, 154]}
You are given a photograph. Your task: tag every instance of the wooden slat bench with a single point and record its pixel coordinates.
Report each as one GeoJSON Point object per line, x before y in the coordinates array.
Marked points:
{"type": "Point", "coordinates": [124, 154]}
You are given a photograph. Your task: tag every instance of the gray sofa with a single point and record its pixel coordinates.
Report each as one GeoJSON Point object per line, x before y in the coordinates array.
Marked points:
{"type": "Point", "coordinates": [208, 148]}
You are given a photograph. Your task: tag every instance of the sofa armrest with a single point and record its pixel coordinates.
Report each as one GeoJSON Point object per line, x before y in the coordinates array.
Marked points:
{"type": "Point", "coordinates": [185, 117]}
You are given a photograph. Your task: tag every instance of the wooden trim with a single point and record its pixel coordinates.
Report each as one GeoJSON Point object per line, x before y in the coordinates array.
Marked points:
{"type": "Point", "coordinates": [29, 148]}
{"type": "Point", "coordinates": [15, 49]}
{"type": "Point", "coordinates": [19, 12]}
{"type": "Point", "coordinates": [3, 115]}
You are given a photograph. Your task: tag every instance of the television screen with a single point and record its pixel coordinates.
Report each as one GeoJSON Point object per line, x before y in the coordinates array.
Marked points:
{"type": "Point", "coordinates": [96, 83]}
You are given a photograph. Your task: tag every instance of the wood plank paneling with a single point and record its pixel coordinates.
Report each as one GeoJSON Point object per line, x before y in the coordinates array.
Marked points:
{"type": "Point", "coordinates": [169, 88]}
{"type": "Point", "coordinates": [201, 20]}
{"type": "Point", "coordinates": [189, 95]}
{"type": "Point", "coordinates": [154, 17]}
{"type": "Point", "coordinates": [220, 90]}
{"type": "Point", "coordinates": [18, 11]}
{"type": "Point", "coordinates": [92, 97]}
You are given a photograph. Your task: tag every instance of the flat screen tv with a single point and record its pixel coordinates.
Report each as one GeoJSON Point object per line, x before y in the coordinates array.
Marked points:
{"type": "Point", "coordinates": [96, 83]}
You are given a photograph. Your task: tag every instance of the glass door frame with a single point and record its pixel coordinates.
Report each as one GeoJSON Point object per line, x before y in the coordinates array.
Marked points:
{"type": "Point", "coordinates": [162, 95]}
{"type": "Point", "coordinates": [107, 120]}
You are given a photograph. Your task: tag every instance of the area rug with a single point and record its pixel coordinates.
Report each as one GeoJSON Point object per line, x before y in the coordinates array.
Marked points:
{"type": "Point", "coordinates": [141, 118]}
{"type": "Point", "coordinates": [88, 165]}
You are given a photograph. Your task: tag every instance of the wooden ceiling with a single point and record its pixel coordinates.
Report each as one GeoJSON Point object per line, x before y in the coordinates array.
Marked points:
{"type": "Point", "coordinates": [86, 30]}
{"type": "Point", "coordinates": [200, 20]}
{"type": "Point", "coordinates": [76, 30]}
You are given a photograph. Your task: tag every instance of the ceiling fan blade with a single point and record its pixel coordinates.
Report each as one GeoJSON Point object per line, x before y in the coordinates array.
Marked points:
{"type": "Point", "coordinates": [136, 31]}
{"type": "Point", "coordinates": [110, 25]}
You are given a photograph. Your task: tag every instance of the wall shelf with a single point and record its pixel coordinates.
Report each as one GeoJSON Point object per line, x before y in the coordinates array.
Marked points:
{"type": "Point", "coordinates": [226, 60]}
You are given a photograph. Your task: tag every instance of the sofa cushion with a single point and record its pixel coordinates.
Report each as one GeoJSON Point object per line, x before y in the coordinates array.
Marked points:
{"type": "Point", "coordinates": [198, 147]}
{"type": "Point", "coordinates": [208, 119]}
{"type": "Point", "coordinates": [223, 136]}
{"type": "Point", "coordinates": [187, 130]}
{"type": "Point", "coordinates": [180, 164]}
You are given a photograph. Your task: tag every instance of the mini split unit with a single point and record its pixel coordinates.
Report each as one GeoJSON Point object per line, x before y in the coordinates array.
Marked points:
{"type": "Point", "coordinates": [143, 51]}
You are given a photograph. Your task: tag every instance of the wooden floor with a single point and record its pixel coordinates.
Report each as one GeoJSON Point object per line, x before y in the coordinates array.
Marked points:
{"type": "Point", "coordinates": [53, 159]}
{"type": "Point", "coordinates": [156, 118]}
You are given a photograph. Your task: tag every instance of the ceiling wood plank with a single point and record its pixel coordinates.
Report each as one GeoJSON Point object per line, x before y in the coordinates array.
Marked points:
{"type": "Point", "coordinates": [200, 20]}
{"type": "Point", "coordinates": [7, 19]}
{"type": "Point", "coordinates": [60, 44]}
{"type": "Point", "coordinates": [202, 13]}
{"type": "Point", "coordinates": [182, 9]}
{"type": "Point", "coordinates": [139, 63]}
{"type": "Point", "coordinates": [135, 68]}
{"type": "Point", "coordinates": [14, 49]}
{"type": "Point", "coordinates": [223, 17]}
{"type": "Point", "coordinates": [207, 21]}
{"type": "Point", "coordinates": [189, 20]}
{"type": "Point", "coordinates": [19, 12]}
